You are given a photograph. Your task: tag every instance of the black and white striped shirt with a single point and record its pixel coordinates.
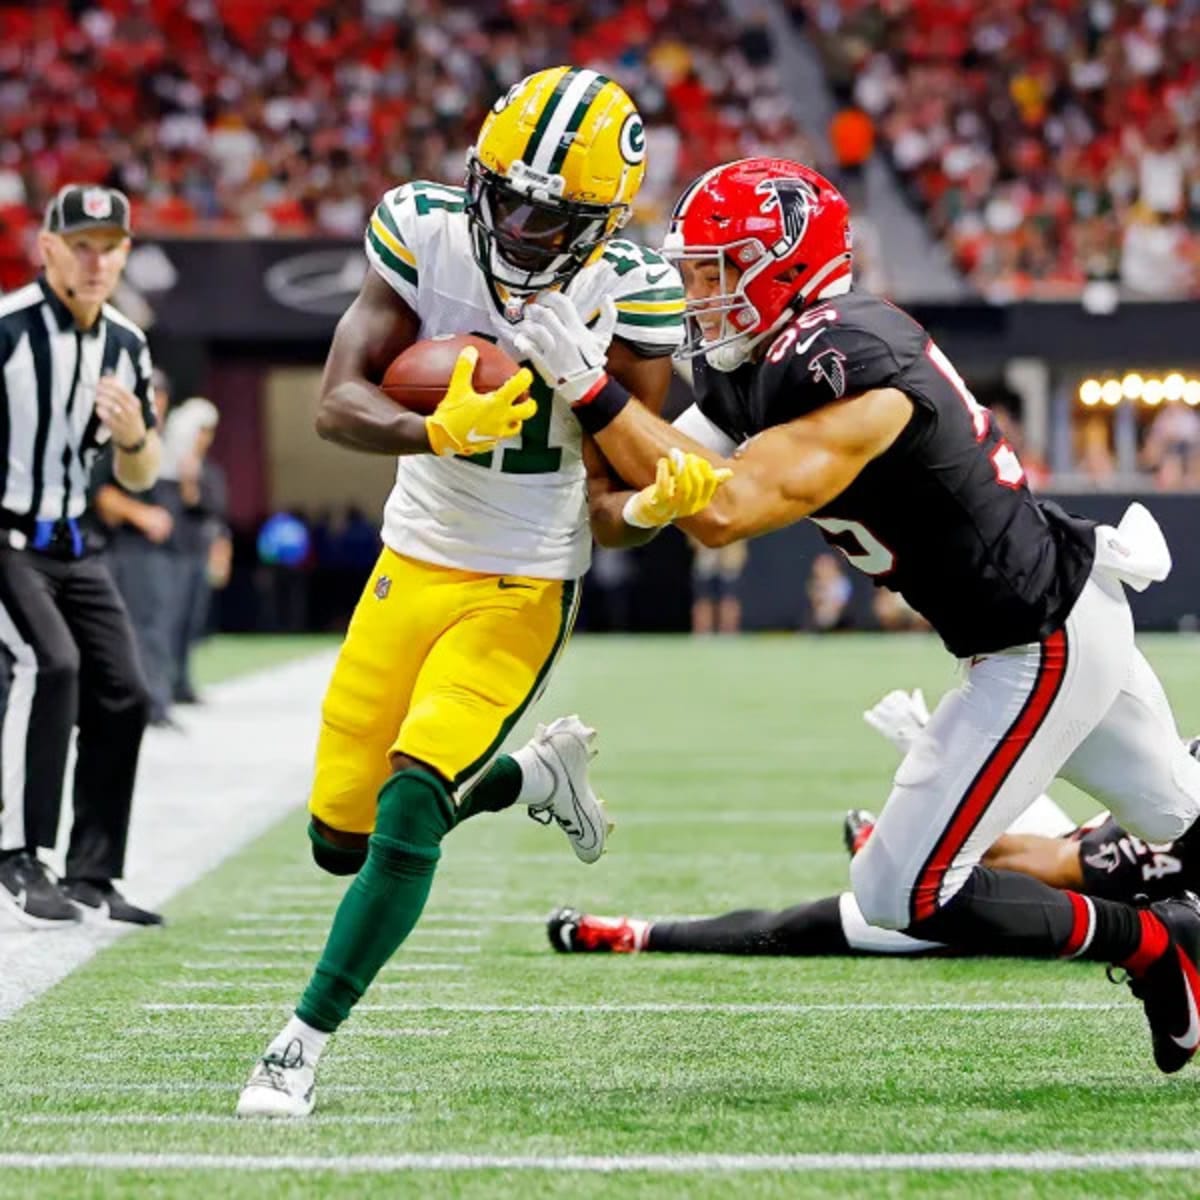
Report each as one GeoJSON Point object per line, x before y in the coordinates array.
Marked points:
{"type": "Point", "coordinates": [49, 431]}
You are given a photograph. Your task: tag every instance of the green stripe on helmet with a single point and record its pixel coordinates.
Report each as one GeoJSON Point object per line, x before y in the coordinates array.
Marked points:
{"type": "Point", "coordinates": [564, 143]}
{"type": "Point", "coordinates": [539, 129]}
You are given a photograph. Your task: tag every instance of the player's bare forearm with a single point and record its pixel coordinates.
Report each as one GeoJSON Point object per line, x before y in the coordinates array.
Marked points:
{"type": "Point", "coordinates": [354, 413]}
{"type": "Point", "coordinates": [608, 492]}
{"type": "Point", "coordinates": [1055, 861]}
{"type": "Point", "coordinates": [606, 504]}
{"type": "Point", "coordinates": [609, 527]}
{"type": "Point", "coordinates": [781, 476]}
{"type": "Point", "coordinates": [357, 415]}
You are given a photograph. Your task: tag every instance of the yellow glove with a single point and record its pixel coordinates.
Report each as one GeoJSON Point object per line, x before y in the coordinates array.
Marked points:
{"type": "Point", "coordinates": [684, 484]}
{"type": "Point", "coordinates": [470, 422]}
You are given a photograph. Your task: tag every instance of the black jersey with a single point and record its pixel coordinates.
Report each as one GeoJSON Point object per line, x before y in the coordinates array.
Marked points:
{"type": "Point", "coordinates": [944, 516]}
{"type": "Point", "coordinates": [1116, 865]}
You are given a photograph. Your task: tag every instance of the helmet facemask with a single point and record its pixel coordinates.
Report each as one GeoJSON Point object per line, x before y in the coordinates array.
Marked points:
{"type": "Point", "coordinates": [740, 331]}
{"type": "Point", "coordinates": [525, 237]}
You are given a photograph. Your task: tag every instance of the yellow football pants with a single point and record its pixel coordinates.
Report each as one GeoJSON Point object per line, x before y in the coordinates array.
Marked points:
{"type": "Point", "coordinates": [438, 664]}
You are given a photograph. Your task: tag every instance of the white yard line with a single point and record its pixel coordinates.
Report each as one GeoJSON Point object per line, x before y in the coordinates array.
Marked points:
{"type": "Point", "coordinates": [177, 1088]}
{"type": "Point", "coordinates": [1031, 1006]}
{"type": "Point", "coordinates": [235, 965]}
{"type": "Point", "coordinates": [1035, 1163]}
{"type": "Point", "coordinates": [305, 951]}
{"type": "Point", "coordinates": [309, 952]}
{"type": "Point", "coordinates": [292, 916]}
{"type": "Point", "coordinates": [199, 798]}
{"type": "Point", "coordinates": [84, 1120]}
{"type": "Point", "coordinates": [288, 985]}
{"type": "Point", "coordinates": [359, 1030]}
{"type": "Point", "coordinates": [289, 935]}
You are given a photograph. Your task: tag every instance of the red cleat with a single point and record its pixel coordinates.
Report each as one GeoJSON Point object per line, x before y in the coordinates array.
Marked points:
{"type": "Point", "coordinates": [573, 932]}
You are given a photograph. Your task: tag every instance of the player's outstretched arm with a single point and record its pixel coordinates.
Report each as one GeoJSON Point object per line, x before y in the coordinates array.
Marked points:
{"type": "Point", "coordinates": [780, 476]}
{"type": "Point", "coordinates": [649, 379]}
{"type": "Point", "coordinates": [354, 413]}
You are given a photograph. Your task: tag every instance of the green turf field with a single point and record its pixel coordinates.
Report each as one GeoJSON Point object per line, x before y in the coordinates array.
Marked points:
{"type": "Point", "coordinates": [728, 764]}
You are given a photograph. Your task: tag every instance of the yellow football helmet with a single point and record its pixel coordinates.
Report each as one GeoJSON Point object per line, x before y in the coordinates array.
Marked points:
{"type": "Point", "coordinates": [552, 176]}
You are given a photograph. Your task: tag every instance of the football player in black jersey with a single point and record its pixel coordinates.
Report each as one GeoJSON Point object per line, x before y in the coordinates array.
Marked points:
{"type": "Point", "coordinates": [838, 407]}
{"type": "Point", "coordinates": [1098, 858]}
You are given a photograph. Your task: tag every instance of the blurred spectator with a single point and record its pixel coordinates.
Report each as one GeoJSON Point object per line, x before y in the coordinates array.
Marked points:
{"type": "Point", "coordinates": [716, 607]}
{"type": "Point", "coordinates": [1093, 449]}
{"type": "Point", "coordinates": [1048, 141]}
{"type": "Point", "coordinates": [895, 614]}
{"type": "Point", "coordinates": [195, 490]}
{"type": "Point", "coordinates": [138, 530]}
{"type": "Point", "coordinates": [829, 592]}
{"type": "Point", "coordinates": [1037, 470]}
{"type": "Point", "coordinates": [284, 548]}
{"type": "Point", "coordinates": [608, 598]}
{"type": "Point", "coordinates": [1157, 256]}
{"type": "Point", "coordinates": [852, 137]}
{"type": "Point", "coordinates": [292, 117]}
{"type": "Point", "coordinates": [1171, 451]}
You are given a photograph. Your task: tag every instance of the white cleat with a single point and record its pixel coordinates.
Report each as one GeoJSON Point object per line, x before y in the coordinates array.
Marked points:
{"type": "Point", "coordinates": [565, 747]}
{"type": "Point", "coordinates": [281, 1085]}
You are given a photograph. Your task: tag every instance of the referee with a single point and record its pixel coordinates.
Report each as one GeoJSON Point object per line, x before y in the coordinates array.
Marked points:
{"type": "Point", "coordinates": [74, 378]}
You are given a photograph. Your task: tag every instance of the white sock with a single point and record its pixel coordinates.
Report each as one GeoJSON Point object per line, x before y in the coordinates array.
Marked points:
{"type": "Point", "coordinates": [312, 1040]}
{"type": "Point", "coordinates": [537, 780]}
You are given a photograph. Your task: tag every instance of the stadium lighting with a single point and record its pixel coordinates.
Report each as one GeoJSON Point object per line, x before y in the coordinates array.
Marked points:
{"type": "Point", "coordinates": [1131, 386]}
{"type": "Point", "coordinates": [1150, 390]}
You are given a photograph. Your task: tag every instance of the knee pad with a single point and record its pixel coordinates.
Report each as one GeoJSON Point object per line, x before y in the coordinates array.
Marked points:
{"type": "Point", "coordinates": [336, 860]}
{"type": "Point", "coordinates": [415, 812]}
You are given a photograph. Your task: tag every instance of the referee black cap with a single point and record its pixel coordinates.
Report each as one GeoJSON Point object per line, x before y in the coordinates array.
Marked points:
{"type": "Point", "coordinates": [87, 206]}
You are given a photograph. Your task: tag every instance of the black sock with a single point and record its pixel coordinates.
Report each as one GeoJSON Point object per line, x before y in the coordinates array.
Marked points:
{"type": "Point", "coordinates": [1004, 913]}
{"type": "Point", "coordinates": [803, 930]}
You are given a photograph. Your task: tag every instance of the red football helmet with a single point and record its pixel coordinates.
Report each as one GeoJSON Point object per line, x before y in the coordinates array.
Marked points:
{"type": "Point", "coordinates": [782, 225]}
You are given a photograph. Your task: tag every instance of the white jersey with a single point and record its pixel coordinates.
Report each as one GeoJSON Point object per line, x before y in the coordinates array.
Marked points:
{"type": "Point", "coordinates": [521, 510]}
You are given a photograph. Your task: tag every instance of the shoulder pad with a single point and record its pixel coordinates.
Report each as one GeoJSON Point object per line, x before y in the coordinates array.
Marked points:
{"type": "Point", "coordinates": [398, 226]}
{"type": "Point", "coordinates": [648, 294]}
{"type": "Point", "coordinates": [818, 359]}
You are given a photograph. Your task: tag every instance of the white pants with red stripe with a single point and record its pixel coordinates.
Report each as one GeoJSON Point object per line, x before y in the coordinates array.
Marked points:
{"type": "Point", "coordinates": [1084, 704]}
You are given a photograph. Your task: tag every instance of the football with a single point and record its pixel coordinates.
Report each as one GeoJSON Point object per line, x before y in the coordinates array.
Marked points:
{"type": "Point", "coordinates": [418, 377]}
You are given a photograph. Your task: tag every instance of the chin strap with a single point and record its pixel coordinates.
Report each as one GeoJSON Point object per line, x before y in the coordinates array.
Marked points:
{"type": "Point", "coordinates": [733, 354]}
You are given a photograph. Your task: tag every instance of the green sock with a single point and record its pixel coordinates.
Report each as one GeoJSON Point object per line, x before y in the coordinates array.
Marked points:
{"type": "Point", "coordinates": [386, 898]}
{"type": "Point", "coordinates": [496, 791]}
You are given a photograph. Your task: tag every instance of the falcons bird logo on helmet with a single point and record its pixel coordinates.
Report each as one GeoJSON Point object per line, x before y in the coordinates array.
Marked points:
{"type": "Point", "coordinates": [795, 199]}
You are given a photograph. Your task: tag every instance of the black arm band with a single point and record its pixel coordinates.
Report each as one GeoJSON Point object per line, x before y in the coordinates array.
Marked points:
{"type": "Point", "coordinates": [603, 408]}
{"type": "Point", "coordinates": [140, 444]}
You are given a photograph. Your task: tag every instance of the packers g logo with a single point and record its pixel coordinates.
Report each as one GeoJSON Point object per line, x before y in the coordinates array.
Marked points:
{"type": "Point", "coordinates": [632, 142]}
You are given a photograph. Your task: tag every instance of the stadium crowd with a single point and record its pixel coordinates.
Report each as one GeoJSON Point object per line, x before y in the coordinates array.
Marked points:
{"type": "Point", "coordinates": [1051, 142]}
{"type": "Point", "coordinates": [266, 117]}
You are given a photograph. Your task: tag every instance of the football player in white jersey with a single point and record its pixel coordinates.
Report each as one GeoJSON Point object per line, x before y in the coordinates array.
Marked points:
{"type": "Point", "coordinates": [487, 530]}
